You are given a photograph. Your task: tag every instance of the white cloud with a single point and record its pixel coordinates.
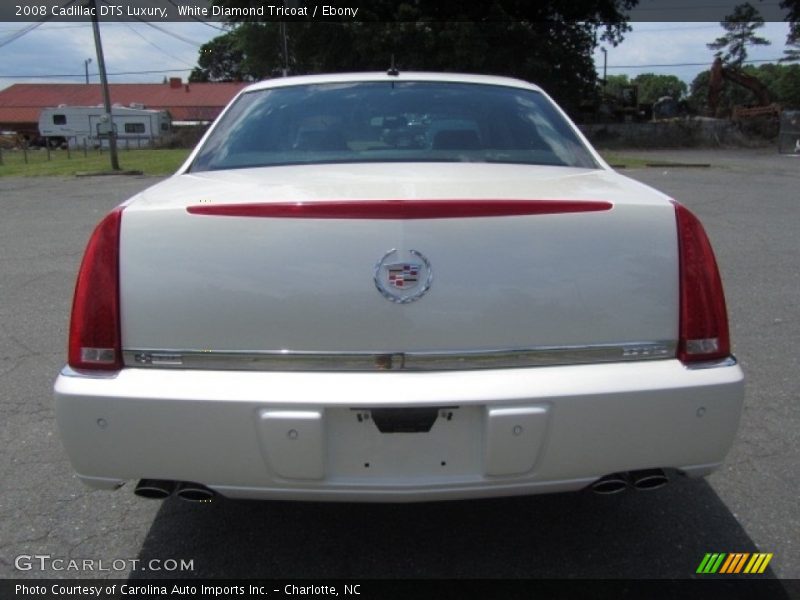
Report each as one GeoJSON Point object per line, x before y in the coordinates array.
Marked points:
{"type": "Point", "coordinates": [61, 48]}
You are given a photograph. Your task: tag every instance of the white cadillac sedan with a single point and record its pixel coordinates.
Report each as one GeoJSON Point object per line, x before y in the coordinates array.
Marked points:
{"type": "Point", "coordinates": [396, 287]}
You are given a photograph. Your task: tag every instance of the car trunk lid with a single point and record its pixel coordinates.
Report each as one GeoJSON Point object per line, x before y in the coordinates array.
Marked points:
{"type": "Point", "coordinates": [505, 263]}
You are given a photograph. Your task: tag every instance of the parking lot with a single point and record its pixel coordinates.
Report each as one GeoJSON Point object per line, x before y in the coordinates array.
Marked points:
{"type": "Point", "coordinates": [749, 203]}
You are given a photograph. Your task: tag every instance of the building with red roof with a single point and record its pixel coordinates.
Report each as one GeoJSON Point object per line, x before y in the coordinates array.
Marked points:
{"type": "Point", "coordinates": [21, 103]}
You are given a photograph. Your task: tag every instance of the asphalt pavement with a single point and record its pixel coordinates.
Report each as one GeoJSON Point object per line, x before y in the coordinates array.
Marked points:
{"type": "Point", "coordinates": [748, 201]}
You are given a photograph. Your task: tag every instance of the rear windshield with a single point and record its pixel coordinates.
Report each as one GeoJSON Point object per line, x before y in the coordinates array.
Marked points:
{"type": "Point", "coordinates": [391, 121]}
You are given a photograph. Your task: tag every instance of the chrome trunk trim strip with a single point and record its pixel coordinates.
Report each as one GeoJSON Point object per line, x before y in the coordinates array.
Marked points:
{"type": "Point", "coordinates": [291, 360]}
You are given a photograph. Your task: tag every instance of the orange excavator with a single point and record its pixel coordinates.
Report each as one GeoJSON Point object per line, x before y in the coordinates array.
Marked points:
{"type": "Point", "coordinates": [763, 106]}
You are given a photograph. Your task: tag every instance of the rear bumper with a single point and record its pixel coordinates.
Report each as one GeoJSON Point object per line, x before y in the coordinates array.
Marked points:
{"type": "Point", "coordinates": [309, 436]}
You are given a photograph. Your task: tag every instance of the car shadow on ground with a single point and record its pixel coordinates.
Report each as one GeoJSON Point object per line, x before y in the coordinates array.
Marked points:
{"type": "Point", "coordinates": [651, 534]}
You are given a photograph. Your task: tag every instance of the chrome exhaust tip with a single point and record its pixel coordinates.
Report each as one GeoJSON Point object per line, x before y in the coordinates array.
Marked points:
{"type": "Point", "coordinates": [194, 492]}
{"type": "Point", "coordinates": [610, 484]}
{"type": "Point", "coordinates": [155, 489]}
{"type": "Point", "coordinates": [649, 479]}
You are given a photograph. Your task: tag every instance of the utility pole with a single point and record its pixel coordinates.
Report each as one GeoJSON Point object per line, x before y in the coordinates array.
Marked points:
{"type": "Point", "coordinates": [605, 65]}
{"type": "Point", "coordinates": [86, 67]}
{"type": "Point", "coordinates": [285, 40]}
{"type": "Point", "coordinates": [285, 50]}
{"type": "Point", "coordinates": [101, 65]}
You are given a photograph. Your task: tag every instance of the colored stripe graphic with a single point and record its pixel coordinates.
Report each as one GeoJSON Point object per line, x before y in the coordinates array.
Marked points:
{"type": "Point", "coordinates": [711, 562]}
{"type": "Point", "coordinates": [764, 564]}
{"type": "Point", "coordinates": [703, 563]}
{"type": "Point", "coordinates": [732, 558]}
{"type": "Point", "coordinates": [758, 564]}
{"type": "Point", "coordinates": [733, 563]}
{"type": "Point", "coordinates": [741, 562]}
{"type": "Point", "coordinates": [751, 564]}
{"type": "Point", "coordinates": [717, 564]}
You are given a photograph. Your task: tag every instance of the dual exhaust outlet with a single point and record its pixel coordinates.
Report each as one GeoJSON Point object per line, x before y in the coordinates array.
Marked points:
{"type": "Point", "coordinates": [646, 479]}
{"type": "Point", "coordinates": [160, 489]}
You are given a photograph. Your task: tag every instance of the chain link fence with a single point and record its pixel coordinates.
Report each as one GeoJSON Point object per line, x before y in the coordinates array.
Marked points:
{"type": "Point", "coordinates": [789, 135]}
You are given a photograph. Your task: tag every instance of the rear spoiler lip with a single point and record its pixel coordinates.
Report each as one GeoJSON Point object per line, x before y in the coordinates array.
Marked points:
{"type": "Point", "coordinates": [399, 209]}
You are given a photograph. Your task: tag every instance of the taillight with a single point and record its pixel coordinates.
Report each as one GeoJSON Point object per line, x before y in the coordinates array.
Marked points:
{"type": "Point", "coordinates": [94, 329]}
{"type": "Point", "coordinates": [704, 319]}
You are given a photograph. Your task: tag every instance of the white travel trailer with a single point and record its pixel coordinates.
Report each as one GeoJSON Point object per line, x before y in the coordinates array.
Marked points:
{"type": "Point", "coordinates": [79, 125]}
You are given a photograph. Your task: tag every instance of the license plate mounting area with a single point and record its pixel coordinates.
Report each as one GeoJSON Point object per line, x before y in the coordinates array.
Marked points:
{"type": "Point", "coordinates": [405, 420]}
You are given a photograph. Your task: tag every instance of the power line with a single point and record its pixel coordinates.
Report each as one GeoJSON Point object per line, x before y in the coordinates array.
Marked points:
{"type": "Point", "coordinates": [73, 26]}
{"type": "Point", "coordinates": [162, 30]}
{"type": "Point", "coordinates": [54, 26]}
{"type": "Point", "coordinates": [32, 26]}
{"type": "Point", "coordinates": [763, 60]}
{"type": "Point", "coordinates": [20, 33]}
{"type": "Point", "coordinates": [181, 70]}
{"type": "Point", "coordinates": [170, 33]}
{"type": "Point", "coordinates": [695, 7]}
{"type": "Point", "coordinates": [199, 20]}
{"type": "Point", "coordinates": [25, 30]}
{"type": "Point", "coordinates": [660, 29]}
{"type": "Point", "coordinates": [156, 46]}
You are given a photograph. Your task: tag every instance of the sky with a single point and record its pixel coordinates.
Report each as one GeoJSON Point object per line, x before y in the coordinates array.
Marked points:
{"type": "Point", "coordinates": [165, 49]}
{"type": "Point", "coordinates": [673, 43]}
{"type": "Point", "coordinates": [170, 50]}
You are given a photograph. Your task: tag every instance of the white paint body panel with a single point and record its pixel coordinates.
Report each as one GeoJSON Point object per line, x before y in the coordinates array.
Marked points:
{"type": "Point", "coordinates": [514, 437]}
{"type": "Point", "coordinates": [266, 284]}
{"type": "Point", "coordinates": [292, 442]}
{"type": "Point", "coordinates": [205, 426]}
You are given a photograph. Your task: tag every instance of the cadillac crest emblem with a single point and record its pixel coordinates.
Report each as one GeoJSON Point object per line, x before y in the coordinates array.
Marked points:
{"type": "Point", "coordinates": [403, 281]}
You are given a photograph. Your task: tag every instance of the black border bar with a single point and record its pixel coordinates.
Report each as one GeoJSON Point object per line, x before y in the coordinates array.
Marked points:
{"type": "Point", "coordinates": [733, 588]}
{"type": "Point", "coordinates": [156, 11]}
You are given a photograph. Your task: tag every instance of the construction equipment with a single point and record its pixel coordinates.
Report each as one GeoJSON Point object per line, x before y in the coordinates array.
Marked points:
{"type": "Point", "coordinates": [624, 106]}
{"type": "Point", "coordinates": [763, 106]}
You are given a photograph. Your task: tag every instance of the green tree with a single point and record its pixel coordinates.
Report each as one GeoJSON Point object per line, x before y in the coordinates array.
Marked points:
{"type": "Point", "coordinates": [740, 33]}
{"type": "Point", "coordinates": [548, 42]}
{"type": "Point", "coordinates": [221, 59]}
{"type": "Point", "coordinates": [698, 92]}
{"type": "Point", "coordinates": [652, 87]}
{"type": "Point", "coordinates": [782, 81]}
{"type": "Point", "coordinates": [792, 52]}
{"type": "Point", "coordinates": [615, 84]}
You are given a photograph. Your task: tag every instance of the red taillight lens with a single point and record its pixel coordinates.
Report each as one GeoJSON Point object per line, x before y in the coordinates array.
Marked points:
{"type": "Point", "coordinates": [94, 329]}
{"type": "Point", "coordinates": [704, 319]}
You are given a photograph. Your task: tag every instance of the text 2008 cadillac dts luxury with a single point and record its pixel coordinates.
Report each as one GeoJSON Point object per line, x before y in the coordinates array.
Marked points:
{"type": "Point", "coordinates": [396, 287]}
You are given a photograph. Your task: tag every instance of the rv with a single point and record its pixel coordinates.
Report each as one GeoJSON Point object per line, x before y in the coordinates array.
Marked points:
{"type": "Point", "coordinates": [88, 125]}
